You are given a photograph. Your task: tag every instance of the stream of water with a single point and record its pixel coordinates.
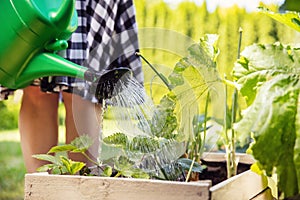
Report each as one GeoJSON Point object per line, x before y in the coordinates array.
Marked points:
{"type": "Point", "coordinates": [132, 108]}
{"type": "Point", "coordinates": [133, 111]}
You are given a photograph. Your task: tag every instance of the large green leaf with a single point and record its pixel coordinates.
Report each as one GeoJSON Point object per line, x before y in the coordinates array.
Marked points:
{"type": "Point", "coordinates": [259, 63]}
{"type": "Point", "coordinates": [290, 5]}
{"type": "Point", "coordinates": [164, 121]}
{"type": "Point", "coordinates": [79, 145]}
{"type": "Point", "coordinates": [72, 166]}
{"type": "Point", "coordinates": [82, 143]}
{"type": "Point", "coordinates": [192, 77]}
{"type": "Point", "coordinates": [138, 144]}
{"type": "Point", "coordinates": [49, 158]}
{"type": "Point", "coordinates": [117, 139]}
{"type": "Point", "coordinates": [126, 167]}
{"type": "Point", "coordinates": [297, 146]}
{"type": "Point", "coordinates": [62, 148]}
{"type": "Point", "coordinates": [271, 119]}
{"type": "Point", "coordinates": [186, 163]}
{"type": "Point", "coordinates": [144, 144]}
{"type": "Point", "coordinates": [202, 57]}
{"type": "Point", "coordinates": [289, 18]}
{"type": "Point", "coordinates": [269, 80]}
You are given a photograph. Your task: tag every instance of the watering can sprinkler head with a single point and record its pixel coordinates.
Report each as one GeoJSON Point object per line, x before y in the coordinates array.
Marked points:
{"type": "Point", "coordinates": [104, 84]}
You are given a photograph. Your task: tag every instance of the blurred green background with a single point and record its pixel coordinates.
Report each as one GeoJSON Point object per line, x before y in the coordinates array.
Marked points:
{"type": "Point", "coordinates": [156, 20]}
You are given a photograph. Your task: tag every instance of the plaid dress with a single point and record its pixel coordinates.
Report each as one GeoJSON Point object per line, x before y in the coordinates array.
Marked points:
{"type": "Point", "coordinates": [106, 38]}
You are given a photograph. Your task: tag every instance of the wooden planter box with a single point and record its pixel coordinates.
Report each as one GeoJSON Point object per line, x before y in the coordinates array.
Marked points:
{"type": "Point", "coordinates": [41, 186]}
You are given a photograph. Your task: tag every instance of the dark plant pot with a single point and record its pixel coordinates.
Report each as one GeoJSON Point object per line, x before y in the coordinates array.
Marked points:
{"type": "Point", "coordinates": [216, 170]}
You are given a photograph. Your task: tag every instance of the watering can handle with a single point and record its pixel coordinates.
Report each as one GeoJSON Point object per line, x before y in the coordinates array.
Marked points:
{"type": "Point", "coordinates": [59, 17]}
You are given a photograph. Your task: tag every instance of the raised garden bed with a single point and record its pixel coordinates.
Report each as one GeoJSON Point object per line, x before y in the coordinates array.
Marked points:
{"type": "Point", "coordinates": [246, 185]}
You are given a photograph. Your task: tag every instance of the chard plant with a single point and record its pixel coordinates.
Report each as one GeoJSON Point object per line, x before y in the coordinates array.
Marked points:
{"type": "Point", "coordinates": [268, 77]}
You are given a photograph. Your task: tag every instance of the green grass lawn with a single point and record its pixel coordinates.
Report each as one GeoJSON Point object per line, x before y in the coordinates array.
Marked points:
{"type": "Point", "coordinates": [12, 169]}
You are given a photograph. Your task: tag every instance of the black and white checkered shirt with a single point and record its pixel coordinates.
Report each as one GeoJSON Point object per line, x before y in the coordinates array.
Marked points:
{"type": "Point", "coordinates": [106, 38]}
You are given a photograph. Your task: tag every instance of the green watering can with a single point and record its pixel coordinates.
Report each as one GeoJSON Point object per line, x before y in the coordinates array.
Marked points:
{"type": "Point", "coordinates": [31, 32]}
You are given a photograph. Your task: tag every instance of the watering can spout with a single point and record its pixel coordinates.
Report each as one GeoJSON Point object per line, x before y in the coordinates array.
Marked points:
{"type": "Point", "coordinates": [48, 64]}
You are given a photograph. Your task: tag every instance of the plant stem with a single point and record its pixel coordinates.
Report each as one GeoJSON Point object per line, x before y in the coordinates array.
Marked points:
{"type": "Point", "coordinates": [190, 170]}
{"type": "Point", "coordinates": [202, 140]}
{"type": "Point", "coordinates": [227, 140]}
{"type": "Point", "coordinates": [92, 161]}
{"type": "Point", "coordinates": [205, 120]}
{"type": "Point", "coordinates": [225, 114]}
{"type": "Point", "coordinates": [118, 174]}
{"type": "Point", "coordinates": [231, 158]}
{"type": "Point", "coordinates": [156, 72]}
{"type": "Point", "coordinates": [240, 42]}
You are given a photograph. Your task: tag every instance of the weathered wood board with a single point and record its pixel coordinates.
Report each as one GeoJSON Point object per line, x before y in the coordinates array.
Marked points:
{"type": "Point", "coordinates": [245, 186]}
{"type": "Point", "coordinates": [42, 187]}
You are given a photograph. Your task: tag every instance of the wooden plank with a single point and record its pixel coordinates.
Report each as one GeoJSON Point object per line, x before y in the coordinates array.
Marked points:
{"type": "Point", "coordinates": [240, 187]}
{"type": "Point", "coordinates": [220, 157]}
{"type": "Point", "coordinates": [41, 186]}
{"type": "Point", "coordinates": [265, 195]}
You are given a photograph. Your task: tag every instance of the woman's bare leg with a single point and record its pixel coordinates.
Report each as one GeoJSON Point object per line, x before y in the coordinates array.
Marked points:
{"type": "Point", "coordinates": [38, 125]}
{"type": "Point", "coordinates": [82, 117]}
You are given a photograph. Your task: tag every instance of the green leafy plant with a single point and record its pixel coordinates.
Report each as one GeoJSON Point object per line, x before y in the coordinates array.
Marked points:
{"type": "Point", "coordinates": [118, 139]}
{"type": "Point", "coordinates": [155, 149]}
{"type": "Point", "coordinates": [122, 166]}
{"type": "Point", "coordinates": [151, 155]}
{"type": "Point", "coordinates": [61, 164]}
{"type": "Point", "coordinates": [168, 123]}
{"type": "Point", "coordinates": [199, 69]}
{"type": "Point", "coordinates": [125, 167]}
{"type": "Point", "coordinates": [268, 78]}
{"type": "Point", "coordinates": [272, 115]}
{"type": "Point", "coordinates": [194, 77]}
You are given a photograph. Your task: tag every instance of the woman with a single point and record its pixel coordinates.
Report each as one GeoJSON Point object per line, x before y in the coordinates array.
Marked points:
{"type": "Point", "coordinates": [106, 38]}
